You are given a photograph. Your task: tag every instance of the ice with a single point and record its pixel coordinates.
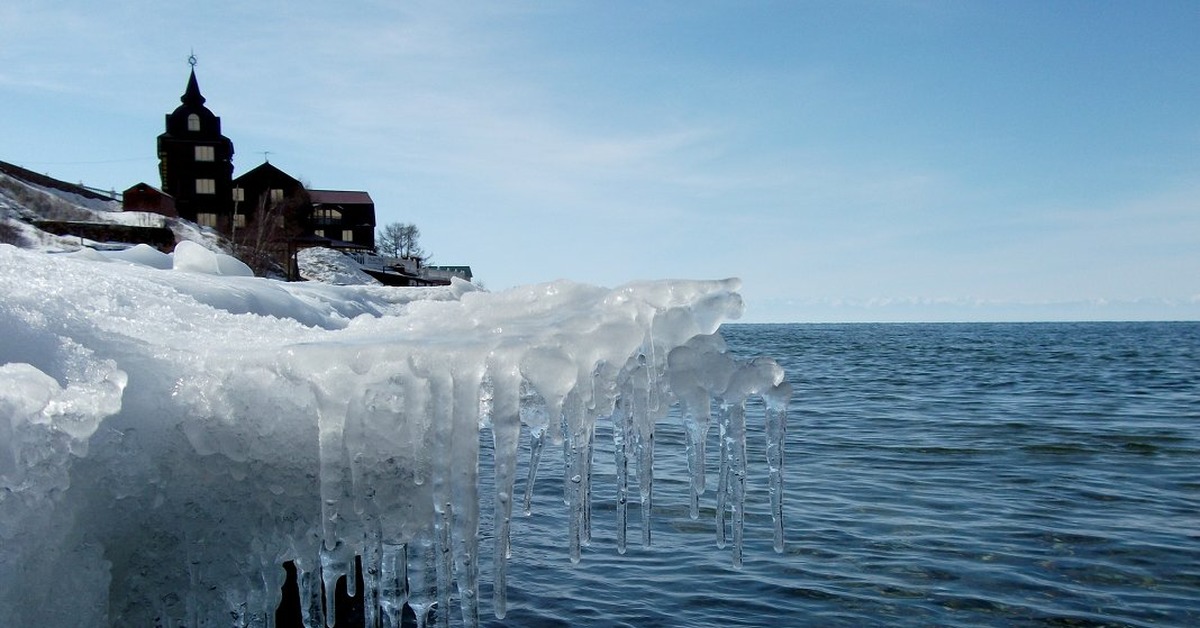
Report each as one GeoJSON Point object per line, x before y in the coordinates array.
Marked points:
{"type": "Point", "coordinates": [172, 434]}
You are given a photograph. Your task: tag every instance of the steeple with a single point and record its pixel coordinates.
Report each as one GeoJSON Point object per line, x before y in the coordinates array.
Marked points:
{"type": "Point", "coordinates": [192, 96]}
{"type": "Point", "coordinates": [195, 160]}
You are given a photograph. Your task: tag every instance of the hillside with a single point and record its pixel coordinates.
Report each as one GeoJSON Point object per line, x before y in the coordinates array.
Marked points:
{"type": "Point", "coordinates": [41, 213]}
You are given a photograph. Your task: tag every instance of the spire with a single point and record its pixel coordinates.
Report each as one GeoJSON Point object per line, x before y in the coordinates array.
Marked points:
{"type": "Point", "coordinates": [192, 96]}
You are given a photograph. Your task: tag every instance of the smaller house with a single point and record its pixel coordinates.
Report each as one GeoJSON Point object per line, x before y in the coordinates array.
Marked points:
{"type": "Point", "coordinates": [343, 216]}
{"type": "Point", "coordinates": [144, 197]}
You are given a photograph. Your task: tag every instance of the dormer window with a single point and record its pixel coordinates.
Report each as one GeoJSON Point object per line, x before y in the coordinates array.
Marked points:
{"type": "Point", "coordinates": [193, 122]}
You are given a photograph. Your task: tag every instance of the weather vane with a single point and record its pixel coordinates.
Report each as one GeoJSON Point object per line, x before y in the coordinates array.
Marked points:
{"type": "Point", "coordinates": [192, 59]}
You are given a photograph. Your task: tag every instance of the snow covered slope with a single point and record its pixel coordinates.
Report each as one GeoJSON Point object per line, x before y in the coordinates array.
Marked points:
{"type": "Point", "coordinates": [23, 203]}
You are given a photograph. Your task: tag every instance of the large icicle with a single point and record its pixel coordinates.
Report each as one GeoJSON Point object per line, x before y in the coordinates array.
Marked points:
{"type": "Point", "coordinates": [506, 432]}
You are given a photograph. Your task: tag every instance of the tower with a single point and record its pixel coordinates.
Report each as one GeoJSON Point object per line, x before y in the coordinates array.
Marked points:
{"type": "Point", "coordinates": [196, 162]}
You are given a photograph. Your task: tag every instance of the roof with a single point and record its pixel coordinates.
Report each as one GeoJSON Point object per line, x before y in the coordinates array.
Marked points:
{"type": "Point", "coordinates": [192, 96]}
{"type": "Point", "coordinates": [265, 170]}
{"type": "Point", "coordinates": [340, 197]}
{"type": "Point", "coordinates": [144, 185]}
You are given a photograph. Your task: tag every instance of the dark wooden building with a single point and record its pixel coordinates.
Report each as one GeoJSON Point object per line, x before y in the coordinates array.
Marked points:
{"type": "Point", "coordinates": [276, 215]}
{"type": "Point", "coordinates": [196, 162]}
{"type": "Point", "coordinates": [343, 216]}
{"type": "Point", "coordinates": [143, 197]}
{"type": "Point", "coordinates": [267, 193]}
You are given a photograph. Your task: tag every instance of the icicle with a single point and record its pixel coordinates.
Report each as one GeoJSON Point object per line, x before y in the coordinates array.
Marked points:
{"type": "Point", "coordinates": [372, 559]}
{"type": "Point", "coordinates": [421, 559]}
{"type": "Point", "coordinates": [506, 433]}
{"type": "Point", "coordinates": [622, 434]}
{"type": "Point", "coordinates": [464, 483]}
{"type": "Point", "coordinates": [646, 481]}
{"type": "Point", "coordinates": [585, 488]}
{"type": "Point", "coordinates": [444, 567]}
{"type": "Point", "coordinates": [441, 423]}
{"type": "Point", "coordinates": [776, 402]}
{"type": "Point", "coordinates": [352, 578]}
{"type": "Point", "coordinates": [335, 485]}
{"type": "Point", "coordinates": [336, 561]}
{"type": "Point", "coordinates": [737, 475]}
{"type": "Point", "coordinates": [695, 409]}
{"type": "Point", "coordinates": [723, 471]}
{"type": "Point", "coordinates": [312, 611]}
{"type": "Point", "coordinates": [643, 421]}
{"type": "Point", "coordinates": [392, 585]}
{"type": "Point", "coordinates": [574, 471]}
{"type": "Point", "coordinates": [537, 442]}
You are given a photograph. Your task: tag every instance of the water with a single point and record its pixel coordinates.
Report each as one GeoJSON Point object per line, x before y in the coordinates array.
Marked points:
{"type": "Point", "coordinates": [949, 475]}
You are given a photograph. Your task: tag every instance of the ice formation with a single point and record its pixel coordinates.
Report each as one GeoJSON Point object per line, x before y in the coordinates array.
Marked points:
{"type": "Point", "coordinates": [172, 431]}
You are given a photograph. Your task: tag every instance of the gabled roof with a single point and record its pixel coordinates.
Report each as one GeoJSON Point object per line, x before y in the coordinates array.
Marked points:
{"type": "Point", "coordinates": [147, 186]}
{"type": "Point", "coordinates": [267, 171]}
{"type": "Point", "coordinates": [340, 197]}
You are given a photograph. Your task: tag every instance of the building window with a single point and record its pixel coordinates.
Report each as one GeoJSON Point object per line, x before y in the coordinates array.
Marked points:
{"type": "Point", "coordinates": [276, 195]}
{"type": "Point", "coordinates": [205, 153]}
{"type": "Point", "coordinates": [193, 122]}
{"type": "Point", "coordinates": [320, 233]}
{"type": "Point", "coordinates": [206, 186]}
{"type": "Point", "coordinates": [348, 235]}
{"type": "Point", "coordinates": [239, 194]}
{"type": "Point", "coordinates": [325, 216]}
{"type": "Point", "coordinates": [239, 221]}
{"type": "Point", "coordinates": [206, 220]}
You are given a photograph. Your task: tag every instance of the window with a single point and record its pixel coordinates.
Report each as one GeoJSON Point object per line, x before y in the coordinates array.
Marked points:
{"type": "Point", "coordinates": [326, 216]}
{"type": "Point", "coordinates": [193, 122]}
{"type": "Point", "coordinates": [239, 221]}
{"type": "Point", "coordinates": [239, 194]}
{"type": "Point", "coordinates": [205, 153]}
{"type": "Point", "coordinates": [320, 233]}
{"type": "Point", "coordinates": [348, 235]}
{"type": "Point", "coordinates": [206, 186]}
{"type": "Point", "coordinates": [276, 195]}
{"type": "Point", "coordinates": [206, 220]}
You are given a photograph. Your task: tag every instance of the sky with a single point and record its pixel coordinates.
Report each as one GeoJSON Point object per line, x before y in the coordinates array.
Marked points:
{"type": "Point", "coordinates": [885, 160]}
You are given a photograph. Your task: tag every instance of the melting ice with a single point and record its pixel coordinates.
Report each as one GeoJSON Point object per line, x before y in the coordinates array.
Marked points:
{"type": "Point", "coordinates": [173, 430]}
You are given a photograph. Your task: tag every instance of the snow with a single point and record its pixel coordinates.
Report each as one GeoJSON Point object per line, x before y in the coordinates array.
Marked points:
{"type": "Point", "coordinates": [172, 430]}
{"type": "Point", "coordinates": [329, 266]}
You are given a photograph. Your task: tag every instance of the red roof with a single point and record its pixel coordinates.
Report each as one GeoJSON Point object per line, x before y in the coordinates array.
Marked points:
{"type": "Point", "coordinates": [340, 197]}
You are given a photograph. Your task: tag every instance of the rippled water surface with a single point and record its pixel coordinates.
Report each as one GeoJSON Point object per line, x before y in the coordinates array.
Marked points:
{"type": "Point", "coordinates": [949, 475]}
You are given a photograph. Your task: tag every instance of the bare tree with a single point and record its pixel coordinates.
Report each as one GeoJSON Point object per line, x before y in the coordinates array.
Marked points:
{"type": "Point", "coordinates": [265, 242]}
{"type": "Point", "coordinates": [400, 239]}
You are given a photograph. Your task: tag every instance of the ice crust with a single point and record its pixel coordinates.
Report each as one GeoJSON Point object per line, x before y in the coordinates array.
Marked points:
{"type": "Point", "coordinates": [170, 434]}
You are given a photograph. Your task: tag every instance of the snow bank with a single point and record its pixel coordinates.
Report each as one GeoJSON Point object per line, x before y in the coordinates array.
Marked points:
{"type": "Point", "coordinates": [169, 437]}
{"type": "Point", "coordinates": [330, 266]}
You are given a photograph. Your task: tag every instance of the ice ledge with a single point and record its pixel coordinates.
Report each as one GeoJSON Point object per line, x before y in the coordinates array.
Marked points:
{"type": "Point", "coordinates": [263, 422]}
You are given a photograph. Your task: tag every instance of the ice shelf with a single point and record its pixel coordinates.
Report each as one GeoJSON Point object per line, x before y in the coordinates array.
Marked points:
{"type": "Point", "coordinates": [171, 432]}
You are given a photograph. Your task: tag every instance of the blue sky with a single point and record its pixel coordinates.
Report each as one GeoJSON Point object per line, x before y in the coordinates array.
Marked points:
{"type": "Point", "coordinates": [850, 161]}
